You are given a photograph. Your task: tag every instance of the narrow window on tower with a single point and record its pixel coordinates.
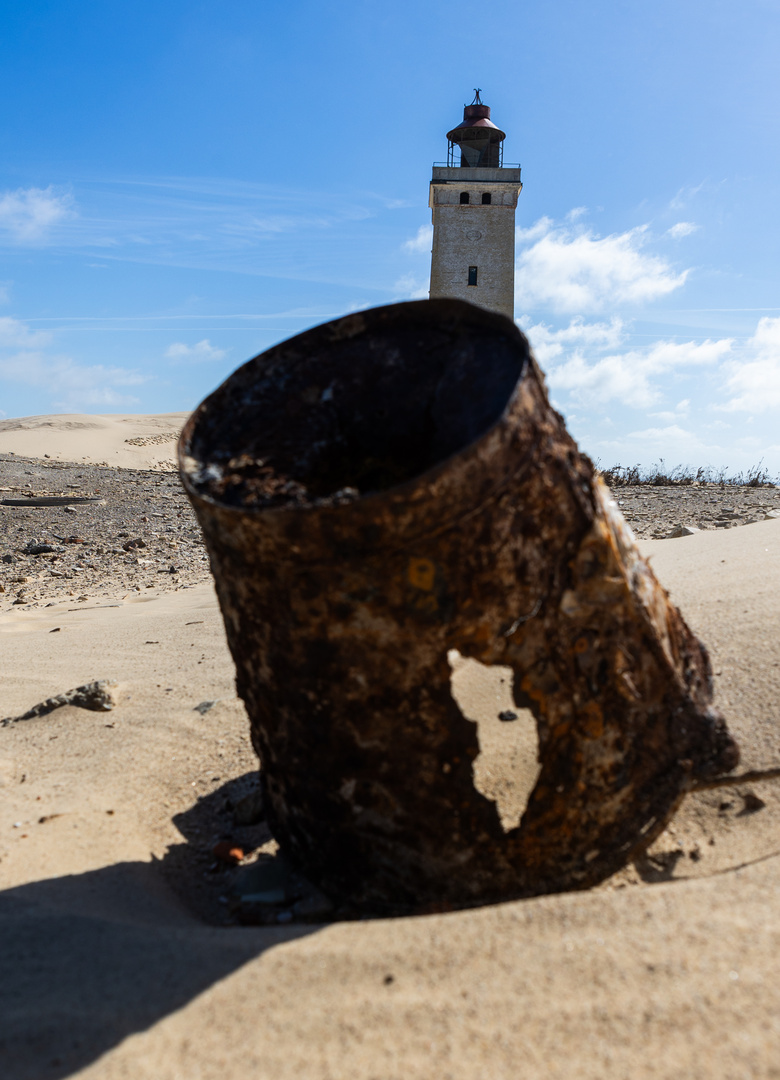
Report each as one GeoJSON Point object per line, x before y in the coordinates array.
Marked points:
{"type": "Point", "coordinates": [487, 198]}
{"type": "Point", "coordinates": [472, 275]}
{"type": "Point", "coordinates": [464, 198]}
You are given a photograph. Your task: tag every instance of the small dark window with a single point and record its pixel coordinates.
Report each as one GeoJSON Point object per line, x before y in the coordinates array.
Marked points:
{"type": "Point", "coordinates": [464, 198]}
{"type": "Point", "coordinates": [487, 198]}
{"type": "Point", "coordinates": [472, 275]}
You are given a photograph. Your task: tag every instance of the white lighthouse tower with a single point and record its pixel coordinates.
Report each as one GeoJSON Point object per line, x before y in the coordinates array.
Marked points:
{"type": "Point", "coordinates": [473, 202]}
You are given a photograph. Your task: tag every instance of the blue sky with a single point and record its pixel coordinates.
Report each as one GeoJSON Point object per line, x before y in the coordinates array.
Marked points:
{"type": "Point", "coordinates": [183, 184]}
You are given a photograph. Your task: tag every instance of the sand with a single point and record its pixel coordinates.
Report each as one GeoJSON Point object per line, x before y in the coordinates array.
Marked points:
{"type": "Point", "coordinates": [133, 442]}
{"type": "Point", "coordinates": [668, 970]}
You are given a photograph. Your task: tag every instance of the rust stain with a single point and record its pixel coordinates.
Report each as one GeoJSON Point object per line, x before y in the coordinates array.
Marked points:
{"type": "Point", "coordinates": [421, 574]}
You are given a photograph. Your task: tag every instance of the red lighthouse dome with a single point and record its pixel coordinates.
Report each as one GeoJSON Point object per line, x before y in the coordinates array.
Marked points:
{"type": "Point", "coordinates": [477, 137]}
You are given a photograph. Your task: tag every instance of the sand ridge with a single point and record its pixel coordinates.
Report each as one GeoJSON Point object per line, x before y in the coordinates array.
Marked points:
{"type": "Point", "coordinates": [126, 440]}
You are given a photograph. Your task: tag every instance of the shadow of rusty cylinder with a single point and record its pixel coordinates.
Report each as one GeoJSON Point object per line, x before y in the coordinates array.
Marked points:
{"type": "Point", "coordinates": [393, 485]}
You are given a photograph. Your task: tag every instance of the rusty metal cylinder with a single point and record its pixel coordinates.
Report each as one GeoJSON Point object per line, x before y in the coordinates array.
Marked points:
{"type": "Point", "coordinates": [393, 485]}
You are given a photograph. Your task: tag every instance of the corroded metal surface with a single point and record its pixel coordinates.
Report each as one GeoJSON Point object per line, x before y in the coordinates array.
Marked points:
{"type": "Point", "coordinates": [393, 485]}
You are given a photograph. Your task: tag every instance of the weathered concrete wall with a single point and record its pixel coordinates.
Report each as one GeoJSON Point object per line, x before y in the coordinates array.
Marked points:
{"type": "Point", "coordinates": [474, 235]}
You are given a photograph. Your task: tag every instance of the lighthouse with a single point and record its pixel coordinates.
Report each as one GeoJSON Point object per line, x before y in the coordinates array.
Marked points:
{"type": "Point", "coordinates": [473, 199]}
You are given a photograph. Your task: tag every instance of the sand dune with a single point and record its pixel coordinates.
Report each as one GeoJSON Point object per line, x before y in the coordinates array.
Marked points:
{"type": "Point", "coordinates": [667, 971]}
{"type": "Point", "coordinates": [130, 441]}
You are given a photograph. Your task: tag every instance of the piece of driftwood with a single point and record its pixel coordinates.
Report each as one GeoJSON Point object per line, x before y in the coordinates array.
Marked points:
{"type": "Point", "coordinates": [388, 487]}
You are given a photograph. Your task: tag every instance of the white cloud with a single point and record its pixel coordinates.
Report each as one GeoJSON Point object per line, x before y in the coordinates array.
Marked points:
{"type": "Point", "coordinates": [422, 242]}
{"type": "Point", "coordinates": [579, 360]}
{"type": "Point", "coordinates": [669, 416]}
{"type": "Point", "coordinates": [671, 443]}
{"type": "Point", "coordinates": [409, 287]}
{"type": "Point", "coordinates": [755, 382]}
{"type": "Point", "coordinates": [549, 344]}
{"type": "Point", "coordinates": [660, 435]}
{"type": "Point", "coordinates": [16, 335]}
{"type": "Point", "coordinates": [204, 350]}
{"type": "Point", "coordinates": [570, 269]}
{"type": "Point", "coordinates": [73, 386]}
{"type": "Point", "coordinates": [681, 229]}
{"type": "Point", "coordinates": [536, 231]}
{"type": "Point", "coordinates": [631, 377]}
{"type": "Point", "coordinates": [29, 213]}
{"type": "Point", "coordinates": [665, 416]}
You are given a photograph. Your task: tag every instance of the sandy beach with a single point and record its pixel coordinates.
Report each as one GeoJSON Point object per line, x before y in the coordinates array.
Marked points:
{"type": "Point", "coordinates": [121, 954]}
{"type": "Point", "coordinates": [140, 442]}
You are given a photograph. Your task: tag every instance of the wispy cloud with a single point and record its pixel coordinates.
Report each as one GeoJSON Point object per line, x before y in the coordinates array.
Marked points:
{"type": "Point", "coordinates": [685, 195]}
{"type": "Point", "coordinates": [28, 214]}
{"type": "Point", "coordinates": [189, 222]}
{"type": "Point", "coordinates": [572, 269]}
{"type": "Point", "coordinates": [204, 350]}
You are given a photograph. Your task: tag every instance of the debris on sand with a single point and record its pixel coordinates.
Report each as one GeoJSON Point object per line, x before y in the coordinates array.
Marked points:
{"type": "Point", "coordinates": [227, 852]}
{"type": "Point", "coordinates": [205, 706]}
{"type": "Point", "coordinates": [97, 696]}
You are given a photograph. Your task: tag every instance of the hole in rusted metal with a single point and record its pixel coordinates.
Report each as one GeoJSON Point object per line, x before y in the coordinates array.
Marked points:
{"type": "Point", "coordinates": [507, 767]}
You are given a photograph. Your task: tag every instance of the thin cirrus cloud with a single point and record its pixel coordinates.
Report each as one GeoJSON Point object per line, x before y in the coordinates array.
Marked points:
{"type": "Point", "coordinates": [569, 268]}
{"type": "Point", "coordinates": [202, 351]}
{"type": "Point", "coordinates": [28, 215]}
{"type": "Point", "coordinates": [208, 225]}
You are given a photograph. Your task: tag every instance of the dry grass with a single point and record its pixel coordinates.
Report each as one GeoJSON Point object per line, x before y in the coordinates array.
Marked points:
{"type": "Point", "coordinates": [659, 475]}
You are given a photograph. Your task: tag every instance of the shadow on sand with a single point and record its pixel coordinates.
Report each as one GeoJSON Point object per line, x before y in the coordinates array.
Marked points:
{"type": "Point", "coordinates": [88, 959]}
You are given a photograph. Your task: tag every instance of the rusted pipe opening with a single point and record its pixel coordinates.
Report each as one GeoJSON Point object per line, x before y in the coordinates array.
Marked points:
{"type": "Point", "coordinates": [319, 426]}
